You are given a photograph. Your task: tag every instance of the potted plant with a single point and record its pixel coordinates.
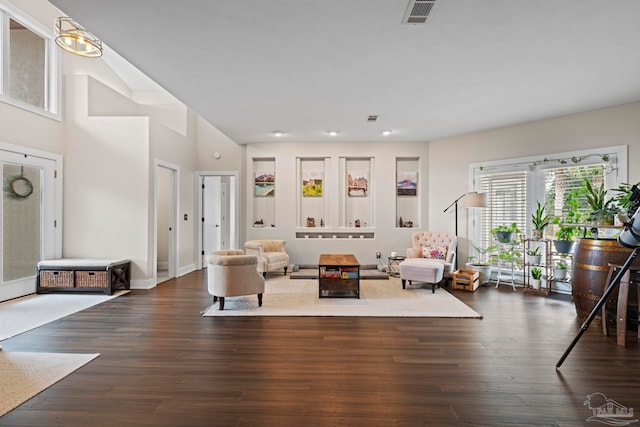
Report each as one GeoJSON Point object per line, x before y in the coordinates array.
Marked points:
{"type": "Point", "coordinates": [539, 220]}
{"type": "Point", "coordinates": [534, 255]}
{"type": "Point", "coordinates": [560, 270]}
{"type": "Point", "coordinates": [536, 277]}
{"type": "Point", "coordinates": [568, 232]}
{"type": "Point", "coordinates": [624, 202]}
{"type": "Point", "coordinates": [601, 210]}
{"type": "Point", "coordinates": [482, 262]}
{"type": "Point", "coordinates": [505, 233]}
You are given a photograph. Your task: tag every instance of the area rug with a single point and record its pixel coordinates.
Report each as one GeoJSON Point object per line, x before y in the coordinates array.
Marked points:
{"type": "Point", "coordinates": [378, 298]}
{"type": "Point", "coordinates": [23, 375]}
{"type": "Point", "coordinates": [23, 314]}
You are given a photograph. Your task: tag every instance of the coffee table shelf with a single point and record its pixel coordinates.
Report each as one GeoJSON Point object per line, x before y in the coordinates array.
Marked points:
{"type": "Point", "coordinates": [338, 276]}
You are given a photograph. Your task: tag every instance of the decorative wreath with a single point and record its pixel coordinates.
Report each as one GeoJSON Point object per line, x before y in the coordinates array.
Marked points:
{"type": "Point", "coordinates": [18, 186]}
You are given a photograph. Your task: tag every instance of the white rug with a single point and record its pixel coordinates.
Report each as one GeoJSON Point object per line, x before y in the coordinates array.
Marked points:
{"type": "Point", "coordinates": [378, 298]}
{"type": "Point", "coordinates": [23, 314]}
{"type": "Point", "coordinates": [23, 375]}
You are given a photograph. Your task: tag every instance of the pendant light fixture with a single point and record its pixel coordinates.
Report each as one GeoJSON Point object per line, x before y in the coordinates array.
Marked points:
{"type": "Point", "coordinates": [73, 38]}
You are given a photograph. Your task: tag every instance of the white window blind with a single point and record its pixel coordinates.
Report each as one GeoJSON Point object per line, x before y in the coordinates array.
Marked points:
{"type": "Point", "coordinates": [506, 202]}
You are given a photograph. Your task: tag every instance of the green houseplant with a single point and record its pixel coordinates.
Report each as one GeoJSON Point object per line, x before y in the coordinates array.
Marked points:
{"type": "Point", "coordinates": [505, 233]}
{"type": "Point", "coordinates": [539, 220]}
{"type": "Point", "coordinates": [536, 277]}
{"type": "Point", "coordinates": [567, 231]}
{"type": "Point", "coordinates": [535, 255]}
{"type": "Point", "coordinates": [482, 261]}
{"type": "Point", "coordinates": [623, 200]}
{"type": "Point", "coordinates": [560, 269]}
{"type": "Point", "coordinates": [601, 209]}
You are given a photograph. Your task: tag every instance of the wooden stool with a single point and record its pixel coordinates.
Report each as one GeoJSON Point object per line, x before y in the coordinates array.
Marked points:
{"type": "Point", "coordinates": [622, 304]}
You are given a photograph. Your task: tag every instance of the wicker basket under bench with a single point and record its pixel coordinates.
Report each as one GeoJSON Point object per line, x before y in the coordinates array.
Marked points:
{"type": "Point", "coordinates": [75, 275]}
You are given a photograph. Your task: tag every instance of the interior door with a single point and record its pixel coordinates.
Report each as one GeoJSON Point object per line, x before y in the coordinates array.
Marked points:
{"type": "Point", "coordinates": [27, 221]}
{"type": "Point", "coordinates": [211, 215]}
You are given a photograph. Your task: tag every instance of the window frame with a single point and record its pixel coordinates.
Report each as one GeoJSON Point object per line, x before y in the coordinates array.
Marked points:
{"type": "Point", "coordinates": [52, 98]}
{"type": "Point", "coordinates": [535, 167]}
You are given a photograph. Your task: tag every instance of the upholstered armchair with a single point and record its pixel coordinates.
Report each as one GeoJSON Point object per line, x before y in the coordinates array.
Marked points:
{"type": "Point", "coordinates": [436, 245]}
{"type": "Point", "coordinates": [271, 255]}
{"type": "Point", "coordinates": [231, 273]}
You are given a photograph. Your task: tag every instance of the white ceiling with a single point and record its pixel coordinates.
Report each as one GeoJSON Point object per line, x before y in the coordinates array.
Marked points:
{"type": "Point", "coordinates": [305, 67]}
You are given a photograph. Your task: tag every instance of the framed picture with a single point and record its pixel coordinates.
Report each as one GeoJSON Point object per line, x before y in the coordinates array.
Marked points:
{"type": "Point", "coordinates": [312, 183]}
{"type": "Point", "coordinates": [357, 183]}
{"type": "Point", "coordinates": [407, 183]}
{"type": "Point", "coordinates": [264, 184]}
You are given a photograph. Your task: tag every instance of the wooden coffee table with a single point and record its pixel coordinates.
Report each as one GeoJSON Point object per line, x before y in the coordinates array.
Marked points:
{"type": "Point", "coordinates": [338, 276]}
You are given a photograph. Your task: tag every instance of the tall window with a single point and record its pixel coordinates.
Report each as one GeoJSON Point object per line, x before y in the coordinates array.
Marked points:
{"type": "Point", "coordinates": [29, 66]}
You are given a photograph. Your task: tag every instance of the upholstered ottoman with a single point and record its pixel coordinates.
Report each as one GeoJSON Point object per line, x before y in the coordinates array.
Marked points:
{"type": "Point", "coordinates": [421, 270]}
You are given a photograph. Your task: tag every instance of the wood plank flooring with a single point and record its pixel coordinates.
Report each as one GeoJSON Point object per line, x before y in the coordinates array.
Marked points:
{"type": "Point", "coordinates": [162, 364]}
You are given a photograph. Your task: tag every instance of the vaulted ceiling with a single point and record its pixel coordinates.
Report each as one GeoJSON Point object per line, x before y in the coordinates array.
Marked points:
{"type": "Point", "coordinates": [307, 67]}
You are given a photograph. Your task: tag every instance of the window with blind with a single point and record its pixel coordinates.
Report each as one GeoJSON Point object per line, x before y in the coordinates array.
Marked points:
{"type": "Point", "coordinates": [506, 202]}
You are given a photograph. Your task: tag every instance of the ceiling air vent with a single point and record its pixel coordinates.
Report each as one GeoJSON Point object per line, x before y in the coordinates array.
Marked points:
{"type": "Point", "coordinates": [372, 117]}
{"type": "Point", "coordinates": [419, 11]}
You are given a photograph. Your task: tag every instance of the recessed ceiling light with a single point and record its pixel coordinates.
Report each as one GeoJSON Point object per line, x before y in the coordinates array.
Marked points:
{"type": "Point", "coordinates": [333, 132]}
{"type": "Point", "coordinates": [277, 133]}
{"type": "Point", "coordinates": [386, 132]}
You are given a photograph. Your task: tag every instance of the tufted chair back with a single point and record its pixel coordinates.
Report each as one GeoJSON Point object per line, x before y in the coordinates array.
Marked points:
{"type": "Point", "coordinates": [421, 239]}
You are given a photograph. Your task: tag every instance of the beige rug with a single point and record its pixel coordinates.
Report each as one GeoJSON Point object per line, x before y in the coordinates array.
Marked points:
{"type": "Point", "coordinates": [23, 375]}
{"type": "Point", "coordinates": [379, 298]}
{"type": "Point", "coordinates": [23, 314]}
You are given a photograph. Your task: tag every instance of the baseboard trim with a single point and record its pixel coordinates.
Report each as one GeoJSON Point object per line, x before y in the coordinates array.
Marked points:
{"type": "Point", "coordinates": [186, 269]}
{"type": "Point", "coordinates": [143, 284]}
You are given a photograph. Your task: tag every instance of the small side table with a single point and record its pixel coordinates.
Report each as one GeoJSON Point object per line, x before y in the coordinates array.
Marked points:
{"type": "Point", "coordinates": [393, 265]}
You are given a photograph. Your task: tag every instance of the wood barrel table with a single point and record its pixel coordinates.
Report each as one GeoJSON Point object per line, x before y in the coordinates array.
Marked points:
{"type": "Point", "coordinates": [590, 270]}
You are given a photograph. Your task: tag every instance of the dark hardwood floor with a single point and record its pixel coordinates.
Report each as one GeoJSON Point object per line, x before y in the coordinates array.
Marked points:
{"type": "Point", "coordinates": [162, 364]}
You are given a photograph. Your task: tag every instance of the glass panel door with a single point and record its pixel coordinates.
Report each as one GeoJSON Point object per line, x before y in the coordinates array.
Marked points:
{"type": "Point", "coordinates": [27, 221]}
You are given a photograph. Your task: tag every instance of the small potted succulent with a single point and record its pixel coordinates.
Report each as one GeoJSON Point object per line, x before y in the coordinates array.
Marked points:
{"type": "Point", "coordinates": [536, 277]}
{"type": "Point", "coordinates": [560, 270]}
{"type": "Point", "coordinates": [534, 255]}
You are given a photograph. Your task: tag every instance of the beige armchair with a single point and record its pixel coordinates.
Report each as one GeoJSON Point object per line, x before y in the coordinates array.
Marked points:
{"type": "Point", "coordinates": [435, 245]}
{"type": "Point", "coordinates": [231, 273]}
{"type": "Point", "coordinates": [271, 255]}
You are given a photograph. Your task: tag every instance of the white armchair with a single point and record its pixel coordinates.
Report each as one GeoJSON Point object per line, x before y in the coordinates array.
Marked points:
{"type": "Point", "coordinates": [436, 245]}
{"type": "Point", "coordinates": [231, 273]}
{"type": "Point", "coordinates": [271, 255]}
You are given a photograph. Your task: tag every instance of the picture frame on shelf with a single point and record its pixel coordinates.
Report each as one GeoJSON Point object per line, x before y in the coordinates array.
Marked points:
{"type": "Point", "coordinates": [264, 184]}
{"type": "Point", "coordinates": [312, 183]}
{"type": "Point", "coordinates": [407, 183]}
{"type": "Point", "coordinates": [357, 183]}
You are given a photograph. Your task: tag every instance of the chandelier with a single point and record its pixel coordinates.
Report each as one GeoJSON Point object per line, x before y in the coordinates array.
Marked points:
{"type": "Point", "coordinates": [73, 38]}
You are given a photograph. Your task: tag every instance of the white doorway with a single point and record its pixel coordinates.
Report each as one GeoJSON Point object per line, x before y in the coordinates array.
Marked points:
{"type": "Point", "coordinates": [218, 205]}
{"type": "Point", "coordinates": [165, 221]}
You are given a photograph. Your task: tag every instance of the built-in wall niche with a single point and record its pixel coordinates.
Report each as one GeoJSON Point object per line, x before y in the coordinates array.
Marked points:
{"type": "Point", "coordinates": [264, 192]}
{"type": "Point", "coordinates": [312, 192]}
{"type": "Point", "coordinates": [356, 198]}
{"type": "Point", "coordinates": [407, 192]}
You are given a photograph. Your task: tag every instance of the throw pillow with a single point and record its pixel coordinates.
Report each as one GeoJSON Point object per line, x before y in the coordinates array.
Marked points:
{"type": "Point", "coordinates": [434, 252]}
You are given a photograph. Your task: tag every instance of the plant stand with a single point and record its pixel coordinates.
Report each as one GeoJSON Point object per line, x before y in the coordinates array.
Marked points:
{"type": "Point", "coordinates": [544, 264]}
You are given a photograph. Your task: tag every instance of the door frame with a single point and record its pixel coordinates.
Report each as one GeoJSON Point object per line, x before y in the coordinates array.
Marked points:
{"type": "Point", "coordinates": [175, 199]}
{"type": "Point", "coordinates": [234, 199]}
{"type": "Point", "coordinates": [52, 224]}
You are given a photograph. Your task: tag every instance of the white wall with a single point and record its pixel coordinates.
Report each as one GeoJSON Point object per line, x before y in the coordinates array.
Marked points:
{"type": "Point", "coordinates": [388, 238]}
{"type": "Point", "coordinates": [451, 157]}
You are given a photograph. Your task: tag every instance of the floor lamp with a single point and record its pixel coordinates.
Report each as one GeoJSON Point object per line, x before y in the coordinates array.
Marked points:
{"type": "Point", "coordinates": [472, 199]}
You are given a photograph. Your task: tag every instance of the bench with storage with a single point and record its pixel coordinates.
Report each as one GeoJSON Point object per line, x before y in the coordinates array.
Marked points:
{"type": "Point", "coordinates": [93, 275]}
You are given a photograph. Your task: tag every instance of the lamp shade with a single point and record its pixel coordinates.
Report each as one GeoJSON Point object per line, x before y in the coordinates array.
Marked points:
{"type": "Point", "coordinates": [475, 200]}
